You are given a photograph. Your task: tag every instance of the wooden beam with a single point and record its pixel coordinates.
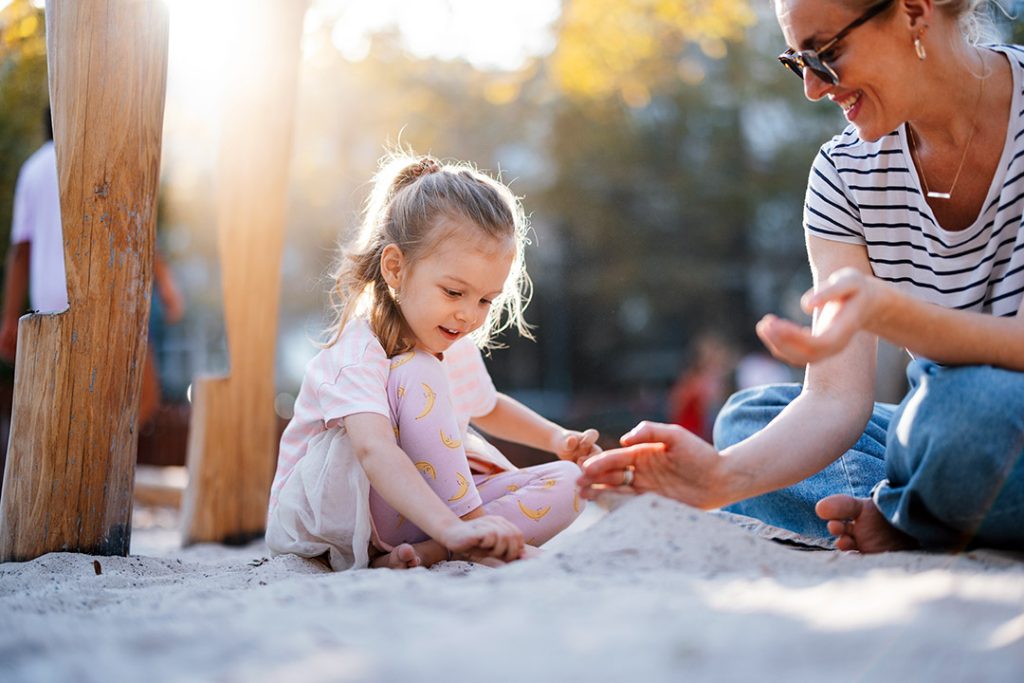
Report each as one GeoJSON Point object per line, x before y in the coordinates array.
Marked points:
{"type": "Point", "coordinates": [68, 480]}
{"type": "Point", "coordinates": [233, 436]}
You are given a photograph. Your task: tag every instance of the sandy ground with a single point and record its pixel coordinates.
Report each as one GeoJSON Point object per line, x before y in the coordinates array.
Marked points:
{"type": "Point", "coordinates": [653, 591]}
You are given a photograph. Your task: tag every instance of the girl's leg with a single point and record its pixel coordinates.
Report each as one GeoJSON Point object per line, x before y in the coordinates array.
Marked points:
{"type": "Point", "coordinates": [427, 429]}
{"type": "Point", "coordinates": [541, 500]}
{"type": "Point", "coordinates": [855, 473]}
{"type": "Point", "coordinates": [955, 458]}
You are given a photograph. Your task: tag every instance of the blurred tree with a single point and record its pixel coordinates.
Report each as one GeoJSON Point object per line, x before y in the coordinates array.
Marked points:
{"type": "Point", "coordinates": [663, 154]}
{"type": "Point", "coordinates": [682, 206]}
{"type": "Point", "coordinates": [629, 46]}
{"type": "Point", "coordinates": [23, 97]}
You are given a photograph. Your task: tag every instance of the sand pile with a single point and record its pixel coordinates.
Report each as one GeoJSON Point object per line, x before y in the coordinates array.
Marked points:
{"type": "Point", "coordinates": [654, 591]}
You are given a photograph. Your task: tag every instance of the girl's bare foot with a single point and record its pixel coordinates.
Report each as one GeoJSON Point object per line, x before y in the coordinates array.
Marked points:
{"type": "Point", "coordinates": [859, 525]}
{"type": "Point", "coordinates": [403, 556]}
{"type": "Point", "coordinates": [530, 552]}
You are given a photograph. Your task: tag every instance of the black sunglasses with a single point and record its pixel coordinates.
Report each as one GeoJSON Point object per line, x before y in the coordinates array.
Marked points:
{"type": "Point", "coordinates": [812, 59]}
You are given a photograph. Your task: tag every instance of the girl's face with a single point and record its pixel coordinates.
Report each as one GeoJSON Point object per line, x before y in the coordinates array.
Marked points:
{"type": "Point", "coordinates": [875, 62]}
{"type": "Point", "coordinates": [447, 293]}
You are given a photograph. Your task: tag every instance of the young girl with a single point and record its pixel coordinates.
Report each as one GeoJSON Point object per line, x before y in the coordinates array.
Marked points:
{"type": "Point", "coordinates": [379, 465]}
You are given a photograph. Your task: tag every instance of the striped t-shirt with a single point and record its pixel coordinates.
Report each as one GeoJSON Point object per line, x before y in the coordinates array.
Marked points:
{"type": "Point", "coordinates": [351, 377]}
{"type": "Point", "coordinates": [869, 193]}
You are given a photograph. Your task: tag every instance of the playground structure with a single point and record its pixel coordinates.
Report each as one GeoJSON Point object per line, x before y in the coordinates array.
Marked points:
{"type": "Point", "coordinates": [69, 476]}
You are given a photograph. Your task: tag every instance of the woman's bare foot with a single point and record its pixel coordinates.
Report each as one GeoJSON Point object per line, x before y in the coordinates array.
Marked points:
{"type": "Point", "coordinates": [859, 525]}
{"type": "Point", "coordinates": [403, 556]}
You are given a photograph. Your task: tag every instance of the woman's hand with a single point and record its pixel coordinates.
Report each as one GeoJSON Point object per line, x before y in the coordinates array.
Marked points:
{"type": "Point", "coordinates": [665, 459]}
{"type": "Point", "coordinates": [847, 302]}
{"type": "Point", "coordinates": [575, 446]}
{"type": "Point", "coordinates": [484, 538]}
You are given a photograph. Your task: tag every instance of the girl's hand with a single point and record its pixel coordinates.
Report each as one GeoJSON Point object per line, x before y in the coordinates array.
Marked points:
{"type": "Point", "coordinates": [575, 446]}
{"type": "Point", "coordinates": [484, 538]}
{"type": "Point", "coordinates": [846, 303]}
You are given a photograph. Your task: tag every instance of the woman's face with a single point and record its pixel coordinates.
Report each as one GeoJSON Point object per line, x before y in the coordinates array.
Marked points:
{"type": "Point", "coordinates": [874, 62]}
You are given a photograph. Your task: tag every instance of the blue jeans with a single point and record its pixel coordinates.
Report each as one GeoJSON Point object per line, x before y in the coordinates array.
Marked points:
{"type": "Point", "coordinates": [945, 466]}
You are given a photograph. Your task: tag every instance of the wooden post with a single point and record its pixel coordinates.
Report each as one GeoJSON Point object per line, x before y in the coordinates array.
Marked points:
{"type": "Point", "coordinates": [68, 480]}
{"type": "Point", "coordinates": [233, 436]}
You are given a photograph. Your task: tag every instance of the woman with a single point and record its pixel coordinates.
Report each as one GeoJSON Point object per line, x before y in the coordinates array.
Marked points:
{"type": "Point", "coordinates": [914, 234]}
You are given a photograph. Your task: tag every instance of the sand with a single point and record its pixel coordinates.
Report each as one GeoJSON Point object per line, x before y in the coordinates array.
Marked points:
{"type": "Point", "coordinates": [653, 591]}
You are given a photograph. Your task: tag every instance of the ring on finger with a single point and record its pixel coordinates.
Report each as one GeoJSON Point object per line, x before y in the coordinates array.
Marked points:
{"type": "Point", "coordinates": [628, 475]}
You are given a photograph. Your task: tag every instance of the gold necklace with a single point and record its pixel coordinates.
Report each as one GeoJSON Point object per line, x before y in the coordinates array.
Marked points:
{"type": "Point", "coordinates": [974, 127]}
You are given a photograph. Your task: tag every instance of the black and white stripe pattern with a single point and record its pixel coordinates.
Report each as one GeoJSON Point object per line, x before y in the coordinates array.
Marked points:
{"type": "Point", "coordinates": [869, 193]}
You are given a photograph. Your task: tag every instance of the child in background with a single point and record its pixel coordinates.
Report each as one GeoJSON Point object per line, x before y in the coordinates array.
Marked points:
{"type": "Point", "coordinates": [379, 465]}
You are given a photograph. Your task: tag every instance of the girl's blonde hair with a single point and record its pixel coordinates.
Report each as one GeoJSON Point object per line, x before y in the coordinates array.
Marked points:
{"type": "Point", "coordinates": [410, 194]}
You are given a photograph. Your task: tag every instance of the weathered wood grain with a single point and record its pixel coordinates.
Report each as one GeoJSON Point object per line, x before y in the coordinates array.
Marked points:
{"type": "Point", "coordinates": [68, 480]}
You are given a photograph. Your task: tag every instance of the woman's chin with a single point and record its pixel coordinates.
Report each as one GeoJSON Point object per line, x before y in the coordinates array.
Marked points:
{"type": "Point", "coordinates": [869, 132]}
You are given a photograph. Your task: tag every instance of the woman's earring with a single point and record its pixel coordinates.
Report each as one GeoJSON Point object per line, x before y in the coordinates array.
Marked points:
{"type": "Point", "coordinates": [921, 54]}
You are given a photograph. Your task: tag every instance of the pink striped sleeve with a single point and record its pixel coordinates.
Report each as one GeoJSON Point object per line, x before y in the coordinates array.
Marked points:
{"type": "Point", "coordinates": [473, 391]}
{"type": "Point", "coordinates": [355, 377]}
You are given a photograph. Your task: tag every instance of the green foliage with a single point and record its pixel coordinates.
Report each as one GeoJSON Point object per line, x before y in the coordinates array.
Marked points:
{"type": "Point", "coordinates": [23, 97]}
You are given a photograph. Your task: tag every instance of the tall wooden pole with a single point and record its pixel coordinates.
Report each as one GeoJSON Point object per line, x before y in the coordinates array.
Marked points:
{"type": "Point", "coordinates": [233, 436]}
{"type": "Point", "coordinates": [71, 459]}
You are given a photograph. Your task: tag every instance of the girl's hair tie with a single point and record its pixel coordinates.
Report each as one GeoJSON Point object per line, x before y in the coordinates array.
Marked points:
{"type": "Point", "coordinates": [426, 166]}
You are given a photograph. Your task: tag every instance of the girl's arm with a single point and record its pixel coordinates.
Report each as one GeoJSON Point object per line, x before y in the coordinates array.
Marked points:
{"type": "Point", "coordinates": [816, 428]}
{"type": "Point", "coordinates": [512, 421]}
{"type": "Point", "coordinates": [853, 300]}
{"type": "Point", "coordinates": [397, 480]}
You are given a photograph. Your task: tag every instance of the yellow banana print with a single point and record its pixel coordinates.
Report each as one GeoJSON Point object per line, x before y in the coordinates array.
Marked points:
{"type": "Point", "coordinates": [395, 428]}
{"type": "Point", "coordinates": [463, 488]}
{"type": "Point", "coordinates": [576, 502]}
{"type": "Point", "coordinates": [427, 468]}
{"type": "Point", "coordinates": [401, 392]}
{"type": "Point", "coordinates": [549, 483]}
{"type": "Point", "coordinates": [428, 394]}
{"type": "Point", "coordinates": [401, 520]}
{"type": "Point", "coordinates": [535, 515]}
{"type": "Point", "coordinates": [511, 488]}
{"type": "Point", "coordinates": [398, 361]}
{"type": "Point", "coordinates": [450, 443]}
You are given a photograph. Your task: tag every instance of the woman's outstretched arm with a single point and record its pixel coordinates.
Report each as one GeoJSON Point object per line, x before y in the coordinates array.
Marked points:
{"type": "Point", "coordinates": [824, 421]}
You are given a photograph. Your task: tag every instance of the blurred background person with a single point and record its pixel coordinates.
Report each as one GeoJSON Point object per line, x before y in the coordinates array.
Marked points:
{"type": "Point", "coordinates": [702, 386]}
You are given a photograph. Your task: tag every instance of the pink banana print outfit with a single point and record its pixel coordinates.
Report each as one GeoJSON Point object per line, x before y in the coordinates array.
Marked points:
{"type": "Point", "coordinates": [540, 500]}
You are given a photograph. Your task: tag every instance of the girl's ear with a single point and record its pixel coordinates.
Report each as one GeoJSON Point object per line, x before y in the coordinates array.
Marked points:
{"type": "Point", "coordinates": [392, 265]}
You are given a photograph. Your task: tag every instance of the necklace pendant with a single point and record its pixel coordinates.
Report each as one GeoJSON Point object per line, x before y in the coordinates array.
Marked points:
{"type": "Point", "coordinates": [939, 195]}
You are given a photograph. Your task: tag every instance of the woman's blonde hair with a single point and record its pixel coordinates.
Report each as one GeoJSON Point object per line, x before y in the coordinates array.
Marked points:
{"type": "Point", "coordinates": [410, 194]}
{"type": "Point", "coordinates": [972, 15]}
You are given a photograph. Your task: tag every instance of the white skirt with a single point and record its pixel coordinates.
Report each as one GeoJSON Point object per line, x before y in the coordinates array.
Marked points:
{"type": "Point", "coordinates": [324, 505]}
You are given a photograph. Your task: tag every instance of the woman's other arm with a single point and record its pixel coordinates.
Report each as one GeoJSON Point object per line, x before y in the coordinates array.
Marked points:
{"type": "Point", "coordinates": [853, 300]}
